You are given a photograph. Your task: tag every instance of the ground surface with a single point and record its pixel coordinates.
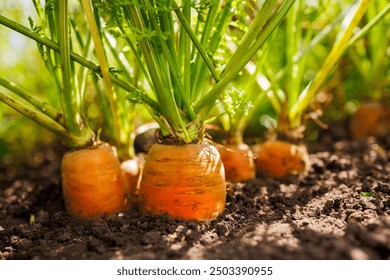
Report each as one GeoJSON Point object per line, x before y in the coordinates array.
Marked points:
{"type": "Point", "coordinates": [340, 210]}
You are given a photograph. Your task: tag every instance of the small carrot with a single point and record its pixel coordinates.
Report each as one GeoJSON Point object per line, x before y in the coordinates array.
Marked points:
{"type": "Point", "coordinates": [186, 182]}
{"type": "Point", "coordinates": [238, 162]}
{"type": "Point", "coordinates": [93, 183]}
{"type": "Point", "coordinates": [132, 169]}
{"type": "Point", "coordinates": [371, 119]}
{"type": "Point", "coordinates": [279, 159]}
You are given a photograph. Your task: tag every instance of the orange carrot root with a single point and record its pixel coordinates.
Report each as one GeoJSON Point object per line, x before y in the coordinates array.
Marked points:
{"type": "Point", "coordinates": [186, 182]}
{"type": "Point", "coordinates": [371, 119]}
{"type": "Point", "coordinates": [93, 183]}
{"type": "Point", "coordinates": [132, 169]}
{"type": "Point", "coordinates": [279, 159]}
{"type": "Point", "coordinates": [238, 162]}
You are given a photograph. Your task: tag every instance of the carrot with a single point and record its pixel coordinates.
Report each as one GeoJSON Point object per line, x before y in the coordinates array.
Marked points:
{"type": "Point", "coordinates": [371, 119]}
{"type": "Point", "coordinates": [279, 159]}
{"type": "Point", "coordinates": [132, 169]}
{"type": "Point", "coordinates": [186, 182]}
{"type": "Point", "coordinates": [93, 183]}
{"type": "Point", "coordinates": [238, 162]}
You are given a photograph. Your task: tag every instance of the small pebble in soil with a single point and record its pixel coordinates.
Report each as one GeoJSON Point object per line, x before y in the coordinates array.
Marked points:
{"type": "Point", "coordinates": [355, 217]}
{"type": "Point", "coordinates": [358, 254]}
{"type": "Point", "coordinates": [328, 205]}
{"type": "Point", "coordinates": [221, 230]}
{"type": "Point", "coordinates": [192, 236]}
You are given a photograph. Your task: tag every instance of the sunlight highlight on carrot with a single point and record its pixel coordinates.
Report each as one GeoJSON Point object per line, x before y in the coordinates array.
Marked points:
{"type": "Point", "coordinates": [93, 183]}
{"type": "Point", "coordinates": [279, 159]}
{"type": "Point", "coordinates": [238, 161]}
{"type": "Point", "coordinates": [186, 182]}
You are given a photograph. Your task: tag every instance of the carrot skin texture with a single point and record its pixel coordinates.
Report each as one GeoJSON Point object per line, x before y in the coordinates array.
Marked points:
{"type": "Point", "coordinates": [186, 182]}
{"type": "Point", "coordinates": [280, 159]}
{"type": "Point", "coordinates": [238, 162]}
{"type": "Point", "coordinates": [93, 182]}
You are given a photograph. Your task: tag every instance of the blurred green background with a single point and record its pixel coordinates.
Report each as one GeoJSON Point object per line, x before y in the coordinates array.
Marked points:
{"type": "Point", "coordinates": [21, 63]}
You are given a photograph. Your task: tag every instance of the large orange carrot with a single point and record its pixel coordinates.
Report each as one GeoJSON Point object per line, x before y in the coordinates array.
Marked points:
{"type": "Point", "coordinates": [186, 182]}
{"type": "Point", "coordinates": [93, 182]}
{"type": "Point", "coordinates": [279, 158]}
{"type": "Point", "coordinates": [238, 162]}
{"type": "Point", "coordinates": [371, 119]}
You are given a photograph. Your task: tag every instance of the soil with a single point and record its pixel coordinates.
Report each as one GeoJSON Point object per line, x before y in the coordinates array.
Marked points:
{"type": "Point", "coordinates": [339, 210]}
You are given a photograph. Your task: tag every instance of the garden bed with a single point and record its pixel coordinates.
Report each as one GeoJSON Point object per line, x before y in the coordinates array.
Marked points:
{"type": "Point", "coordinates": [339, 210]}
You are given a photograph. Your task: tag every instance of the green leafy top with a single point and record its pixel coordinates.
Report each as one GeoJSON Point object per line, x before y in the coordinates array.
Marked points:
{"type": "Point", "coordinates": [180, 43]}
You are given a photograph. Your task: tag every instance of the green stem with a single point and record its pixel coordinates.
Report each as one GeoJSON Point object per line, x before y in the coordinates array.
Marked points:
{"type": "Point", "coordinates": [55, 46]}
{"type": "Point", "coordinates": [240, 63]}
{"type": "Point", "coordinates": [174, 69]}
{"type": "Point", "coordinates": [250, 36]}
{"type": "Point", "coordinates": [43, 120]}
{"type": "Point", "coordinates": [157, 74]}
{"type": "Point", "coordinates": [306, 96]}
{"type": "Point", "coordinates": [201, 73]}
{"type": "Point", "coordinates": [367, 28]}
{"type": "Point", "coordinates": [187, 54]}
{"type": "Point", "coordinates": [68, 98]}
{"type": "Point", "coordinates": [195, 41]}
{"type": "Point", "coordinates": [104, 68]}
{"type": "Point", "coordinates": [41, 105]}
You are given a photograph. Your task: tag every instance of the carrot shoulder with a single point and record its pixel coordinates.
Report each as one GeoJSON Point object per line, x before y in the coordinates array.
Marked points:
{"type": "Point", "coordinates": [186, 182]}
{"type": "Point", "coordinates": [93, 182]}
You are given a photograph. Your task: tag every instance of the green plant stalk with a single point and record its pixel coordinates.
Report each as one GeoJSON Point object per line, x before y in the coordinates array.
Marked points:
{"type": "Point", "coordinates": [295, 114]}
{"type": "Point", "coordinates": [56, 47]}
{"type": "Point", "coordinates": [299, 55]}
{"type": "Point", "coordinates": [111, 96]}
{"type": "Point", "coordinates": [73, 140]}
{"type": "Point", "coordinates": [183, 92]}
{"type": "Point", "coordinates": [371, 69]}
{"type": "Point", "coordinates": [195, 41]}
{"type": "Point", "coordinates": [200, 72]}
{"type": "Point", "coordinates": [367, 28]}
{"type": "Point", "coordinates": [41, 105]}
{"type": "Point", "coordinates": [83, 71]}
{"type": "Point", "coordinates": [198, 64]}
{"type": "Point", "coordinates": [293, 34]}
{"type": "Point", "coordinates": [256, 93]}
{"type": "Point", "coordinates": [240, 63]}
{"type": "Point", "coordinates": [132, 47]}
{"type": "Point", "coordinates": [379, 42]}
{"type": "Point", "coordinates": [250, 36]}
{"type": "Point", "coordinates": [322, 34]}
{"type": "Point", "coordinates": [157, 74]}
{"type": "Point", "coordinates": [126, 111]}
{"type": "Point", "coordinates": [48, 26]}
{"type": "Point", "coordinates": [68, 98]}
{"type": "Point", "coordinates": [187, 55]}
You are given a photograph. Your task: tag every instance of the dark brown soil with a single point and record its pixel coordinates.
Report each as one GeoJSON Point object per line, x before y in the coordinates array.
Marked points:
{"type": "Point", "coordinates": [340, 210]}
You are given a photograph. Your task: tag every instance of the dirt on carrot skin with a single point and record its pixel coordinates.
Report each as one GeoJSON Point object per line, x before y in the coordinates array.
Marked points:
{"type": "Point", "coordinates": [339, 210]}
